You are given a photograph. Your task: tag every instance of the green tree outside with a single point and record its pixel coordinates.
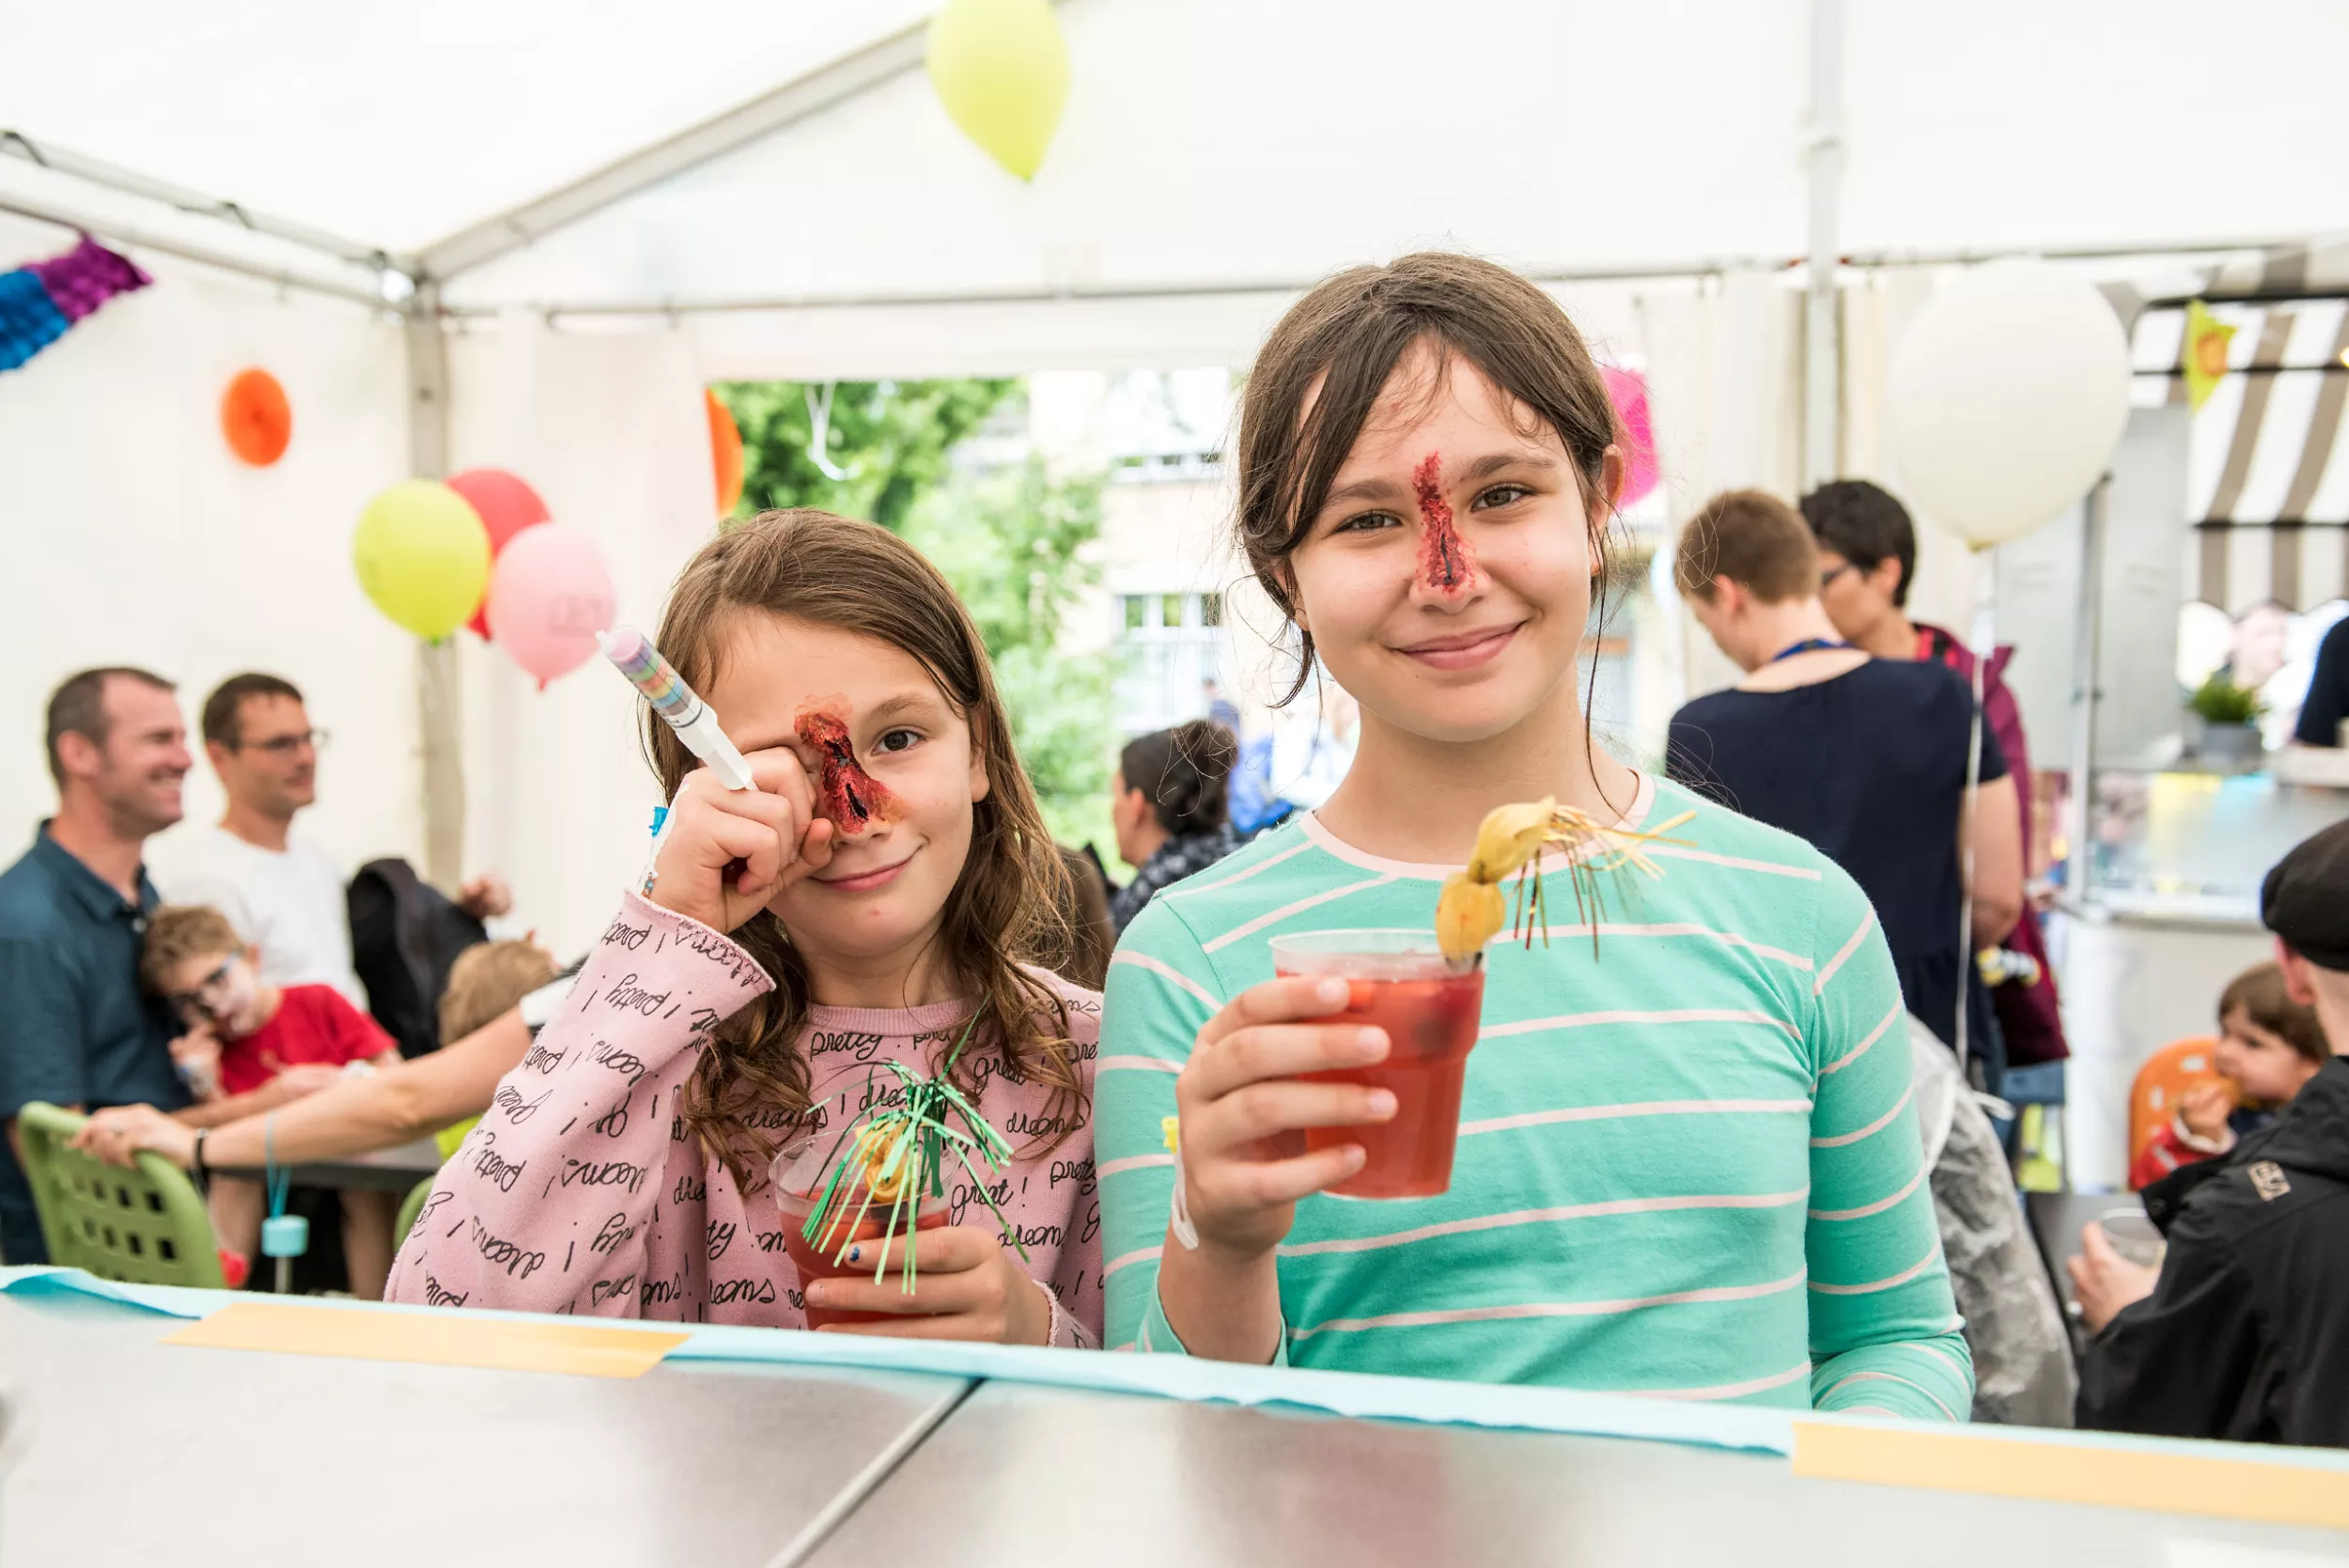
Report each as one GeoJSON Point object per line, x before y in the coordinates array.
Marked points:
{"type": "Point", "coordinates": [1012, 545]}
{"type": "Point", "coordinates": [886, 443]}
{"type": "Point", "coordinates": [1012, 542]}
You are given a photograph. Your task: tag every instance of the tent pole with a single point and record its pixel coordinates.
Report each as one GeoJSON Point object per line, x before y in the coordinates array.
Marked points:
{"type": "Point", "coordinates": [670, 306]}
{"type": "Point", "coordinates": [139, 239]}
{"type": "Point", "coordinates": [835, 82]}
{"type": "Point", "coordinates": [2087, 648]}
{"type": "Point", "coordinates": [1821, 367]}
{"type": "Point", "coordinates": [439, 689]}
{"type": "Point", "coordinates": [114, 177]}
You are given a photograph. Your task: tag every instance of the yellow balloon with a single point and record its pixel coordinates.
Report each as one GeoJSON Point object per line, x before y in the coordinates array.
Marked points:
{"type": "Point", "coordinates": [1002, 70]}
{"type": "Point", "coordinates": [423, 556]}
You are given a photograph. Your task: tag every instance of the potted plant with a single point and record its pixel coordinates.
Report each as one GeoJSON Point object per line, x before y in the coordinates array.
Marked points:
{"type": "Point", "coordinates": [2230, 715]}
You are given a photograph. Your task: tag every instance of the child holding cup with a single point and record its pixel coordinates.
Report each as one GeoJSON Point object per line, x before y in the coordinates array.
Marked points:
{"type": "Point", "coordinates": [1684, 1160]}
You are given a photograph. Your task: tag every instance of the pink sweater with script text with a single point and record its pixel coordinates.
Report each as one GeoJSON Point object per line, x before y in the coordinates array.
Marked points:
{"type": "Point", "coordinates": [582, 1191]}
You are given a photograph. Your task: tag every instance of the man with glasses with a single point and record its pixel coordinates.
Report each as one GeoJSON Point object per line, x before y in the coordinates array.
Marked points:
{"type": "Point", "coordinates": [81, 1034]}
{"type": "Point", "coordinates": [1867, 557]}
{"type": "Point", "coordinates": [282, 891]}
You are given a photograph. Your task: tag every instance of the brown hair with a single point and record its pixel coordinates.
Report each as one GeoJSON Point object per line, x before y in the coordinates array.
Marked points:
{"type": "Point", "coordinates": [1002, 913]}
{"type": "Point", "coordinates": [1755, 540]}
{"type": "Point", "coordinates": [220, 724]}
{"type": "Point", "coordinates": [1350, 334]}
{"type": "Point", "coordinates": [78, 706]}
{"type": "Point", "coordinates": [487, 980]}
{"type": "Point", "coordinates": [1183, 771]}
{"type": "Point", "coordinates": [2259, 994]}
{"type": "Point", "coordinates": [177, 932]}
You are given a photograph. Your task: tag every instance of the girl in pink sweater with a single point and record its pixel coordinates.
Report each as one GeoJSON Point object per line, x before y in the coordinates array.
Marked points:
{"type": "Point", "coordinates": [885, 896]}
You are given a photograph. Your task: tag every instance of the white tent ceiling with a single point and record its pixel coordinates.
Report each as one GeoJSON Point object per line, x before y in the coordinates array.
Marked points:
{"type": "Point", "coordinates": [396, 125]}
{"type": "Point", "coordinates": [1208, 144]}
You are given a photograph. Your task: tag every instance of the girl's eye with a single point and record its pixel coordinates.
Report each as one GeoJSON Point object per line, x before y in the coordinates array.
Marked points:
{"type": "Point", "coordinates": [898, 740]}
{"type": "Point", "coordinates": [1368, 523]}
{"type": "Point", "coordinates": [1501, 495]}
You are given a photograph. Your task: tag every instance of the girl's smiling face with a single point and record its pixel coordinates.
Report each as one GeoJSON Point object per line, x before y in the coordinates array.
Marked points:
{"type": "Point", "coordinates": [889, 760]}
{"type": "Point", "coordinates": [1447, 579]}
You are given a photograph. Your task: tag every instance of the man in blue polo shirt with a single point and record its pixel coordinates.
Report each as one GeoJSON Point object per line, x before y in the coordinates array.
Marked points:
{"type": "Point", "coordinates": [80, 1032]}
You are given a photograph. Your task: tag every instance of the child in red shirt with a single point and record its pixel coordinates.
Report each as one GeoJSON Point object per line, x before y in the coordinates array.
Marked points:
{"type": "Point", "coordinates": [2268, 1046]}
{"type": "Point", "coordinates": [245, 1036]}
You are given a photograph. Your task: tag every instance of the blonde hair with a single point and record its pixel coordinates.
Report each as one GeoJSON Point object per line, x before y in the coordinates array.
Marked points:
{"type": "Point", "coordinates": [487, 980]}
{"type": "Point", "coordinates": [1003, 912]}
{"type": "Point", "coordinates": [177, 932]}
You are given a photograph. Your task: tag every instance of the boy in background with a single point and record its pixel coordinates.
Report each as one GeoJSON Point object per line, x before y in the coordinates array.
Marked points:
{"type": "Point", "coordinates": [243, 1035]}
{"type": "Point", "coordinates": [1864, 758]}
{"type": "Point", "coordinates": [2268, 1046]}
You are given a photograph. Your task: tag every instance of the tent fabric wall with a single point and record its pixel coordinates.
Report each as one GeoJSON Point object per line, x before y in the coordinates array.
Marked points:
{"type": "Point", "coordinates": [139, 539]}
{"type": "Point", "coordinates": [1724, 376]}
{"type": "Point", "coordinates": [611, 430]}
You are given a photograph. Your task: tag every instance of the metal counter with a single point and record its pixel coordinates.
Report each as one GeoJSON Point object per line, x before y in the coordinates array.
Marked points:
{"type": "Point", "coordinates": [126, 1452]}
{"type": "Point", "coordinates": [1019, 1476]}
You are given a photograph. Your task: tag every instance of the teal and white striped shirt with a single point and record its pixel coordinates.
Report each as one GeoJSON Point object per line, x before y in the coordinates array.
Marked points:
{"type": "Point", "coordinates": [1687, 1166]}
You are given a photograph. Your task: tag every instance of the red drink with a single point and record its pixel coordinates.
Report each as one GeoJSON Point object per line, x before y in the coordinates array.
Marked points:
{"type": "Point", "coordinates": [800, 1174]}
{"type": "Point", "coordinates": [1400, 982]}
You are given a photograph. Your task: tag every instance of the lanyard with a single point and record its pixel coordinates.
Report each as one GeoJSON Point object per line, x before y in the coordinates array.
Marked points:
{"type": "Point", "coordinates": [1809, 645]}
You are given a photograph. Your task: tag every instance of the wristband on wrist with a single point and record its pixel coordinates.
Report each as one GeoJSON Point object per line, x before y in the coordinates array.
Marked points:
{"type": "Point", "coordinates": [196, 1168]}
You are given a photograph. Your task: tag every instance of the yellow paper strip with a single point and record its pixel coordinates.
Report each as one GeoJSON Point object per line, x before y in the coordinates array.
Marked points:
{"type": "Point", "coordinates": [2274, 1490]}
{"type": "Point", "coordinates": [439, 1339]}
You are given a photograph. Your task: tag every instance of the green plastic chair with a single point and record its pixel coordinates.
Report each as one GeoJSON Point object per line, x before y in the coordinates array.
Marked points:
{"type": "Point", "coordinates": [409, 1208]}
{"type": "Point", "coordinates": [145, 1227]}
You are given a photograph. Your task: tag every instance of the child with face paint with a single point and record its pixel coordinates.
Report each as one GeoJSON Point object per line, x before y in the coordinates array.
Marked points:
{"type": "Point", "coordinates": [251, 1047]}
{"type": "Point", "coordinates": [888, 892]}
{"type": "Point", "coordinates": [1687, 1165]}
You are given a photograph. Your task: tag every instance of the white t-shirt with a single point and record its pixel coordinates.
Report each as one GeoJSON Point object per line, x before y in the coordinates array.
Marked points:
{"type": "Point", "coordinates": [290, 905]}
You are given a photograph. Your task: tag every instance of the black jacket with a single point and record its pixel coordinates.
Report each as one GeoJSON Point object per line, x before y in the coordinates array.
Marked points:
{"type": "Point", "coordinates": [2247, 1336]}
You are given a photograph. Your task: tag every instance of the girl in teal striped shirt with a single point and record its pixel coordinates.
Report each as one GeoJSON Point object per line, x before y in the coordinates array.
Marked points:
{"type": "Point", "coordinates": [1687, 1164]}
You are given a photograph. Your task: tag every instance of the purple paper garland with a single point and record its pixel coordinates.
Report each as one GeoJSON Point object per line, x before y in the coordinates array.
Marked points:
{"type": "Point", "coordinates": [72, 284]}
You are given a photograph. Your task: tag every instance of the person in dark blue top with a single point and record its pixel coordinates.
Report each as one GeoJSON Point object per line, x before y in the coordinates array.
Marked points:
{"type": "Point", "coordinates": [1865, 759]}
{"type": "Point", "coordinates": [80, 1032]}
{"type": "Point", "coordinates": [2327, 702]}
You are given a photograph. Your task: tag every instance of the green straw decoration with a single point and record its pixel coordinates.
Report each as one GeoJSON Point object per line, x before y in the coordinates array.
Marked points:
{"type": "Point", "coordinates": [917, 1139]}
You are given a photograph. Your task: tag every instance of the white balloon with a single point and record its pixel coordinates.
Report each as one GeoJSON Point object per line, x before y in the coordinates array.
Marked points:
{"type": "Point", "coordinates": [2008, 395]}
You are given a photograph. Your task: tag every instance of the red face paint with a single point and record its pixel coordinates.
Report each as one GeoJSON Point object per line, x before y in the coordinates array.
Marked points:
{"type": "Point", "coordinates": [845, 792]}
{"type": "Point", "coordinates": [1445, 562]}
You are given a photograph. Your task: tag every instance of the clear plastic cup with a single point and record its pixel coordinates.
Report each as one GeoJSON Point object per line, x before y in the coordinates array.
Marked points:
{"type": "Point", "coordinates": [1401, 982]}
{"type": "Point", "coordinates": [798, 1173]}
{"type": "Point", "coordinates": [2134, 1235]}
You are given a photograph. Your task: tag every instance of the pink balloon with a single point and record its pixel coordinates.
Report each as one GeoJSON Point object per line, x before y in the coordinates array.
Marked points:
{"type": "Point", "coordinates": [549, 593]}
{"type": "Point", "coordinates": [508, 505]}
{"type": "Point", "coordinates": [1627, 390]}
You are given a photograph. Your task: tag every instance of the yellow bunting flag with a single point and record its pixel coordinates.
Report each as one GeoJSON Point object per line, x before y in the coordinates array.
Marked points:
{"type": "Point", "coordinates": [2204, 355]}
{"type": "Point", "coordinates": [290, 1326]}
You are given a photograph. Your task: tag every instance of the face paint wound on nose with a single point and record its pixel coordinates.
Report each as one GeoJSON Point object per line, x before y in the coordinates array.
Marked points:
{"type": "Point", "coordinates": [845, 792]}
{"type": "Point", "coordinates": [1445, 562]}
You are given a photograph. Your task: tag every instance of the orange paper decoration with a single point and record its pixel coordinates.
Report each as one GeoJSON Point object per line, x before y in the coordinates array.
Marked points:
{"type": "Point", "coordinates": [726, 453]}
{"type": "Point", "coordinates": [255, 418]}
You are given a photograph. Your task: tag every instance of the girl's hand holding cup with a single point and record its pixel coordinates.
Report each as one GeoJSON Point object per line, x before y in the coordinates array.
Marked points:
{"type": "Point", "coordinates": [725, 853]}
{"type": "Point", "coordinates": [1243, 1110]}
{"type": "Point", "coordinates": [967, 1286]}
